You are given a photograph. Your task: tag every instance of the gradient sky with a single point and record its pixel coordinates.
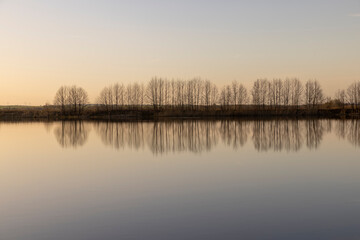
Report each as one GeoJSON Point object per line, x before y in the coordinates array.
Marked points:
{"type": "Point", "coordinates": [45, 43]}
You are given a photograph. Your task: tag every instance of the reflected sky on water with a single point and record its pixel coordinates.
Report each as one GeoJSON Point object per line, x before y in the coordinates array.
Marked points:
{"type": "Point", "coordinates": [272, 179]}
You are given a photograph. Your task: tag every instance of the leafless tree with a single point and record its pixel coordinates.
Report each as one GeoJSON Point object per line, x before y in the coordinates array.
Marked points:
{"type": "Point", "coordinates": [152, 93]}
{"type": "Point", "coordinates": [223, 97]}
{"type": "Point", "coordinates": [309, 93]}
{"type": "Point", "coordinates": [235, 92]}
{"type": "Point", "coordinates": [207, 93]}
{"type": "Point", "coordinates": [74, 97]}
{"type": "Point", "coordinates": [106, 98]}
{"type": "Point", "coordinates": [214, 94]}
{"type": "Point", "coordinates": [62, 98]}
{"type": "Point", "coordinates": [83, 99]}
{"type": "Point", "coordinates": [353, 94]}
{"type": "Point", "coordinates": [314, 94]}
{"type": "Point", "coordinates": [286, 92]}
{"type": "Point", "coordinates": [260, 92]}
{"type": "Point", "coordinates": [318, 93]}
{"type": "Point", "coordinates": [242, 95]}
{"type": "Point", "coordinates": [78, 98]}
{"type": "Point", "coordinates": [129, 95]}
{"type": "Point", "coordinates": [226, 97]}
{"type": "Point", "coordinates": [275, 92]}
{"type": "Point", "coordinates": [141, 95]}
{"type": "Point", "coordinates": [118, 95]}
{"type": "Point", "coordinates": [341, 97]}
{"type": "Point", "coordinates": [296, 92]}
{"type": "Point", "coordinates": [255, 92]}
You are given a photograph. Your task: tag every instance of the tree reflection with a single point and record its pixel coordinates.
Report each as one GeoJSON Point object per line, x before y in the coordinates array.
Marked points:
{"type": "Point", "coordinates": [234, 133]}
{"type": "Point", "coordinates": [354, 132]}
{"type": "Point", "coordinates": [341, 128]}
{"type": "Point", "coordinates": [277, 135]}
{"type": "Point", "coordinates": [198, 136]}
{"type": "Point", "coordinates": [48, 126]}
{"type": "Point", "coordinates": [314, 133]}
{"type": "Point", "coordinates": [178, 136]}
{"type": "Point", "coordinates": [121, 134]}
{"type": "Point", "coordinates": [71, 134]}
{"type": "Point", "coordinates": [349, 129]}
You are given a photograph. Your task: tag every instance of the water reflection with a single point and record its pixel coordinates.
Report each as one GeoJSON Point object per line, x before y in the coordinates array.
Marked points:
{"type": "Point", "coordinates": [314, 133]}
{"type": "Point", "coordinates": [193, 136]}
{"type": "Point", "coordinates": [71, 134]}
{"type": "Point", "coordinates": [199, 136]}
{"type": "Point", "coordinates": [234, 133]}
{"type": "Point", "coordinates": [349, 129]}
{"type": "Point", "coordinates": [277, 135]}
{"type": "Point", "coordinates": [122, 134]}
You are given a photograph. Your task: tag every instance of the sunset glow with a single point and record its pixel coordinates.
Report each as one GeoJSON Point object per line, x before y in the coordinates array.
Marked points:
{"type": "Point", "coordinates": [46, 44]}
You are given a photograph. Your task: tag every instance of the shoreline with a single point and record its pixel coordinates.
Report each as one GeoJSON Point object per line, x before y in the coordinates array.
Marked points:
{"type": "Point", "coordinates": [146, 114]}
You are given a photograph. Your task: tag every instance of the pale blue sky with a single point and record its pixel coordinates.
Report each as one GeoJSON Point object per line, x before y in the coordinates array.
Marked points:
{"type": "Point", "coordinates": [45, 44]}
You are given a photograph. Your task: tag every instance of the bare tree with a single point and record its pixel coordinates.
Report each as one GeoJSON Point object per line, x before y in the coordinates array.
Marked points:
{"type": "Point", "coordinates": [296, 92]}
{"type": "Point", "coordinates": [141, 95]}
{"type": "Point", "coordinates": [313, 93]}
{"type": "Point", "coordinates": [309, 93]}
{"type": "Point", "coordinates": [275, 92]}
{"type": "Point", "coordinates": [207, 93]}
{"type": "Point", "coordinates": [62, 98]}
{"type": "Point", "coordinates": [180, 92]}
{"type": "Point", "coordinates": [222, 99]}
{"type": "Point", "coordinates": [255, 92]}
{"type": "Point", "coordinates": [341, 97]}
{"type": "Point", "coordinates": [83, 99]}
{"type": "Point", "coordinates": [152, 92]}
{"type": "Point", "coordinates": [318, 94]}
{"type": "Point", "coordinates": [73, 98]}
{"type": "Point", "coordinates": [136, 94]}
{"type": "Point", "coordinates": [117, 92]}
{"type": "Point", "coordinates": [167, 92]}
{"type": "Point", "coordinates": [78, 99]}
{"type": "Point", "coordinates": [286, 92]}
{"type": "Point", "coordinates": [199, 91]}
{"type": "Point", "coordinates": [229, 96]}
{"type": "Point", "coordinates": [106, 98]}
{"type": "Point", "coordinates": [260, 92]}
{"type": "Point", "coordinates": [353, 94]}
{"type": "Point", "coordinates": [129, 95]}
{"type": "Point", "coordinates": [173, 91]}
{"type": "Point", "coordinates": [242, 95]}
{"type": "Point", "coordinates": [235, 92]}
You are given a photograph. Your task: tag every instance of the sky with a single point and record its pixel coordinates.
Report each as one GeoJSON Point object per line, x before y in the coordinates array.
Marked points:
{"type": "Point", "coordinates": [46, 43]}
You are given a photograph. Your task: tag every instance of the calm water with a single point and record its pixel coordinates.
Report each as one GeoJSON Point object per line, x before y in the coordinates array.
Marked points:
{"type": "Point", "coordinates": [180, 180]}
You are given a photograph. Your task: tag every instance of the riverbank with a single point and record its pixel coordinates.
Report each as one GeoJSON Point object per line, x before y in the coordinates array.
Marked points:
{"type": "Point", "coordinates": [148, 113]}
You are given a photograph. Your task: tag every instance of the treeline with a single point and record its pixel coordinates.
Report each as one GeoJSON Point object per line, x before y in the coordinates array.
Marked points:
{"type": "Point", "coordinates": [160, 93]}
{"type": "Point", "coordinates": [71, 99]}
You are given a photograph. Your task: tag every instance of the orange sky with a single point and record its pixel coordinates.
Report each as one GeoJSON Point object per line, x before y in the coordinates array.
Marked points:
{"type": "Point", "coordinates": [46, 44]}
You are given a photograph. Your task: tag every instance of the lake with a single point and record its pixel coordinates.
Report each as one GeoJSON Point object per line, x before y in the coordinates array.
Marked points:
{"type": "Point", "coordinates": [193, 179]}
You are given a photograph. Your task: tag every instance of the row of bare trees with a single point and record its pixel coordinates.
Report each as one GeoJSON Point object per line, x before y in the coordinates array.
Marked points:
{"type": "Point", "coordinates": [197, 93]}
{"type": "Point", "coordinates": [119, 95]}
{"type": "Point", "coordinates": [288, 92]}
{"type": "Point", "coordinates": [160, 93]}
{"type": "Point", "coordinates": [71, 99]}
{"type": "Point", "coordinates": [233, 95]}
{"type": "Point", "coordinates": [350, 96]}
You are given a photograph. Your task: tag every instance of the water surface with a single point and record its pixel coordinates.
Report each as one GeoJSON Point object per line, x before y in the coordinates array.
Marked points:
{"type": "Point", "coordinates": [180, 180]}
